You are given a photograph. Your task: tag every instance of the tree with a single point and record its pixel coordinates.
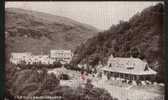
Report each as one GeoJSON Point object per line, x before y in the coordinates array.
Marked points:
{"type": "Point", "coordinates": [57, 64]}
{"type": "Point", "coordinates": [135, 52]}
{"type": "Point", "coordinates": [94, 60]}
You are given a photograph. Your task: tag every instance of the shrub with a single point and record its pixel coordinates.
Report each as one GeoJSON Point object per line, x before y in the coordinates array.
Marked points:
{"type": "Point", "coordinates": [64, 77]}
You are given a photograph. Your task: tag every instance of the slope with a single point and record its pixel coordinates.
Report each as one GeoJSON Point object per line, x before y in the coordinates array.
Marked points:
{"type": "Point", "coordinates": [141, 37]}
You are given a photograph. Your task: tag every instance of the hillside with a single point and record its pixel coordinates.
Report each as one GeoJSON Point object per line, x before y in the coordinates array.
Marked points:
{"type": "Point", "coordinates": [38, 32]}
{"type": "Point", "coordinates": [141, 36]}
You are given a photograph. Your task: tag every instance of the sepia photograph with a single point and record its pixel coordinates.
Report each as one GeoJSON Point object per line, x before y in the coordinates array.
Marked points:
{"type": "Point", "coordinates": [75, 50]}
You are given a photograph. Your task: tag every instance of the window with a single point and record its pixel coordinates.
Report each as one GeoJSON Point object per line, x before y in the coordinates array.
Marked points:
{"type": "Point", "coordinates": [130, 68]}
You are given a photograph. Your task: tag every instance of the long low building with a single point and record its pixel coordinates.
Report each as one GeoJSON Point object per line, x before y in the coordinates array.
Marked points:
{"type": "Point", "coordinates": [63, 56]}
{"type": "Point", "coordinates": [19, 57]}
{"type": "Point", "coordinates": [43, 59]}
{"type": "Point", "coordinates": [129, 68]}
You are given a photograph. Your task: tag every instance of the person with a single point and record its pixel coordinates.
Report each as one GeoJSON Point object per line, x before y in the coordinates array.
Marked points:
{"type": "Point", "coordinates": [82, 77]}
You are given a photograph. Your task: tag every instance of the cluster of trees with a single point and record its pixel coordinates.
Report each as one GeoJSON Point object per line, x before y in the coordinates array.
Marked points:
{"type": "Point", "coordinates": [37, 82]}
{"type": "Point", "coordinates": [28, 82]}
{"type": "Point", "coordinates": [72, 67]}
{"type": "Point", "coordinates": [140, 37]}
{"type": "Point", "coordinates": [88, 68]}
{"type": "Point", "coordinates": [39, 65]}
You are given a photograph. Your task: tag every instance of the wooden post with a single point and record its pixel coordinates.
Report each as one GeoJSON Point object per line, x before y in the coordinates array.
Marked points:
{"type": "Point", "coordinates": [121, 75]}
{"type": "Point", "coordinates": [144, 78]}
{"type": "Point", "coordinates": [152, 78]}
{"type": "Point", "coordinates": [137, 77]}
{"type": "Point", "coordinates": [133, 77]}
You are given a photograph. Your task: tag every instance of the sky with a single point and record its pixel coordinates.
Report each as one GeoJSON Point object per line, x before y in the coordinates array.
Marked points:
{"type": "Point", "coordinates": [101, 15]}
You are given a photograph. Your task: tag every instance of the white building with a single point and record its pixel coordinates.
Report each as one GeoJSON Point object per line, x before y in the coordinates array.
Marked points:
{"type": "Point", "coordinates": [17, 58]}
{"type": "Point", "coordinates": [129, 68]}
{"type": "Point", "coordinates": [28, 58]}
{"type": "Point", "coordinates": [43, 59]}
{"type": "Point", "coordinates": [64, 56]}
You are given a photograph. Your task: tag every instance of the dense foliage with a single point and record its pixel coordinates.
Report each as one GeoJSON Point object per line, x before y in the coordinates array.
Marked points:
{"type": "Point", "coordinates": [38, 65]}
{"type": "Point", "coordinates": [141, 36]}
{"type": "Point", "coordinates": [37, 82]}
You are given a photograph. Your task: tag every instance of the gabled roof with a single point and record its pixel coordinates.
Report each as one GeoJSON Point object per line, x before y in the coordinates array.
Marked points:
{"type": "Point", "coordinates": [128, 66]}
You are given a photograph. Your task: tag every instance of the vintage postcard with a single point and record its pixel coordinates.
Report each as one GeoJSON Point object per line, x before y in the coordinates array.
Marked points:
{"type": "Point", "coordinates": [95, 50]}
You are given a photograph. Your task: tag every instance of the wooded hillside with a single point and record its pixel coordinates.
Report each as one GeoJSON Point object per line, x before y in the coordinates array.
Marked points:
{"type": "Point", "coordinates": [141, 36]}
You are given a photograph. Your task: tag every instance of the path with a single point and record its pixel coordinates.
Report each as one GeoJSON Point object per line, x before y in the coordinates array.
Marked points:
{"type": "Point", "coordinates": [127, 94]}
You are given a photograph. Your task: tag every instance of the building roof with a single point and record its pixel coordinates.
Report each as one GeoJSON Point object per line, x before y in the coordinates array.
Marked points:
{"type": "Point", "coordinates": [129, 66]}
{"type": "Point", "coordinates": [20, 53]}
{"type": "Point", "coordinates": [60, 51]}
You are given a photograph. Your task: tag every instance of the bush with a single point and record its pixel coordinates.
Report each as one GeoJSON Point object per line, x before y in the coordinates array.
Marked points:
{"type": "Point", "coordinates": [57, 64]}
{"type": "Point", "coordinates": [84, 94]}
{"type": "Point", "coordinates": [27, 81]}
{"type": "Point", "coordinates": [64, 77]}
{"type": "Point", "coordinates": [72, 67]}
{"type": "Point", "coordinates": [32, 83]}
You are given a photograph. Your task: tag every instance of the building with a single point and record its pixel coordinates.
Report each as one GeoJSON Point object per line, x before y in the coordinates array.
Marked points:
{"type": "Point", "coordinates": [17, 57]}
{"type": "Point", "coordinates": [64, 56]}
{"type": "Point", "coordinates": [28, 58]}
{"type": "Point", "coordinates": [129, 68]}
{"type": "Point", "coordinates": [43, 59]}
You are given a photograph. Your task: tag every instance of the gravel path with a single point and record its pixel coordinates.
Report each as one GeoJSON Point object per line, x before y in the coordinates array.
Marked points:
{"type": "Point", "coordinates": [127, 94]}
